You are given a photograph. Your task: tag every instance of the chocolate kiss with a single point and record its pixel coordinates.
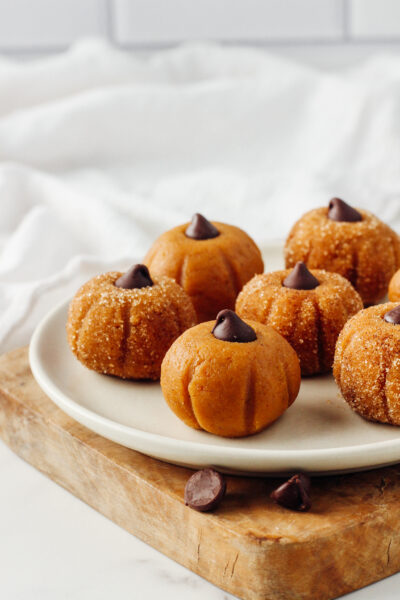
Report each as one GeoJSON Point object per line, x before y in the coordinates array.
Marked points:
{"type": "Point", "coordinates": [137, 276]}
{"type": "Point", "coordinates": [230, 328]}
{"type": "Point", "coordinates": [200, 228]}
{"type": "Point", "coordinates": [340, 211]}
{"type": "Point", "coordinates": [393, 316]}
{"type": "Point", "coordinates": [300, 278]}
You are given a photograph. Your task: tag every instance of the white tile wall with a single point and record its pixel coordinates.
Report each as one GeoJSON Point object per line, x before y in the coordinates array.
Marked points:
{"type": "Point", "coordinates": [144, 21]}
{"type": "Point", "coordinates": [30, 24]}
{"type": "Point", "coordinates": [374, 19]}
{"type": "Point", "coordinates": [309, 27]}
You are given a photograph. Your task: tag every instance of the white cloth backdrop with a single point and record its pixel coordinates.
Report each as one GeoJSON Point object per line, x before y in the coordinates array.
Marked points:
{"type": "Point", "coordinates": [100, 151]}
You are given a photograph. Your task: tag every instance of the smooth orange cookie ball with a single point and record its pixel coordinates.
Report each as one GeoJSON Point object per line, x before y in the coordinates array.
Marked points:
{"type": "Point", "coordinates": [230, 377]}
{"type": "Point", "coordinates": [367, 363]}
{"type": "Point", "coordinates": [309, 308]}
{"type": "Point", "coordinates": [394, 287]}
{"type": "Point", "coordinates": [211, 261]}
{"type": "Point", "coordinates": [353, 243]}
{"type": "Point", "coordinates": [123, 324]}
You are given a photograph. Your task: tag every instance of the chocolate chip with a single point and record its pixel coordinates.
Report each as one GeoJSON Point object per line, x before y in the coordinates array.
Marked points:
{"type": "Point", "coordinates": [393, 316]}
{"type": "Point", "coordinates": [205, 490]}
{"type": "Point", "coordinates": [230, 328]}
{"type": "Point", "coordinates": [137, 276]}
{"type": "Point", "coordinates": [341, 211]}
{"type": "Point", "coordinates": [294, 493]}
{"type": "Point", "coordinates": [200, 228]}
{"type": "Point", "coordinates": [300, 278]}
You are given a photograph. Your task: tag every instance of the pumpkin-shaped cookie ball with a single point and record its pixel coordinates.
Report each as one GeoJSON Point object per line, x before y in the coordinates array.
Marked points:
{"type": "Point", "coordinates": [367, 363]}
{"type": "Point", "coordinates": [394, 287]}
{"type": "Point", "coordinates": [123, 324]}
{"type": "Point", "coordinates": [353, 243]}
{"type": "Point", "coordinates": [211, 261]}
{"type": "Point", "coordinates": [229, 377]}
{"type": "Point", "coordinates": [309, 308]}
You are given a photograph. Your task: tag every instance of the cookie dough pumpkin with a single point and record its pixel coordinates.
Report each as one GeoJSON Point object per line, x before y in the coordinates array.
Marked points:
{"type": "Point", "coordinates": [211, 261]}
{"type": "Point", "coordinates": [230, 377]}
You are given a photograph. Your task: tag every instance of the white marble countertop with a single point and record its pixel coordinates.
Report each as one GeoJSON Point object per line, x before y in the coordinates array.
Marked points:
{"type": "Point", "coordinates": [55, 547]}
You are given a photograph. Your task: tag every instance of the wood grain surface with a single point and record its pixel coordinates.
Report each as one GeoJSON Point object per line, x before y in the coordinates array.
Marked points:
{"type": "Point", "coordinates": [248, 546]}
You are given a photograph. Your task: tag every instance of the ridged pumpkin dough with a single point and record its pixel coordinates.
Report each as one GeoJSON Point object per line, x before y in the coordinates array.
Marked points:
{"type": "Point", "coordinates": [230, 389]}
{"type": "Point", "coordinates": [211, 271]}
{"type": "Point", "coordinates": [126, 332]}
{"type": "Point", "coordinates": [367, 364]}
{"type": "Point", "coordinates": [310, 320]}
{"type": "Point", "coordinates": [367, 252]}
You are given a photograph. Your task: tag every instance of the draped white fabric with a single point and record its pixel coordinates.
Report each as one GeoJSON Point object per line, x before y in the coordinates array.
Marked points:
{"type": "Point", "coordinates": [101, 150]}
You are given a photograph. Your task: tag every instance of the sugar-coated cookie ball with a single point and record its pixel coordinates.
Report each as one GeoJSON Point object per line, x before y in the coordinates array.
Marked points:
{"type": "Point", "coordinates": [123, 323]}
{"type": "Point", "coordinates": [367, 363]}
{"type": "Point", "coordinates": [309, 308]}
{"type": "Point", "coordinates": [353, 243]}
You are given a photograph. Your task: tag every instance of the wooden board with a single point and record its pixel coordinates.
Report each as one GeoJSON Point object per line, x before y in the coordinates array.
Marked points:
{"type": "Point", "coordinates": [248, 546]}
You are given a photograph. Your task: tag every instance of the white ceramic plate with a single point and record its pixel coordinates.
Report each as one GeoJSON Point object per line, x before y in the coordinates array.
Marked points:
{"type": "Point", "coordinates": [318, 434]}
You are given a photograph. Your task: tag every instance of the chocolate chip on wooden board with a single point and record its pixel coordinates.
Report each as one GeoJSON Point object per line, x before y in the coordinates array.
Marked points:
{"type": "Point", "coordinates": [204, 490]}
{"type": "Point", "coordinates": [294, 493]}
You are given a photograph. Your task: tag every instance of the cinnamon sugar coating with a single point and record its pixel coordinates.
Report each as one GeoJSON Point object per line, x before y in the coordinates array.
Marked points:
{"type": "Point", "coordinates": [367, 365]}
{"type": "Point", "coordinates": [230, 389]}
{"type": "Point", "coordinates": [367, 253]}
{"type": "Point", "coordinates": [211, 271]}
{"type": "Point", "coordinates": [310, 320]}
{"type": "Point", "coordinates": [126, 332]}
{"type": "Point", "coordinates": [394, 287]}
